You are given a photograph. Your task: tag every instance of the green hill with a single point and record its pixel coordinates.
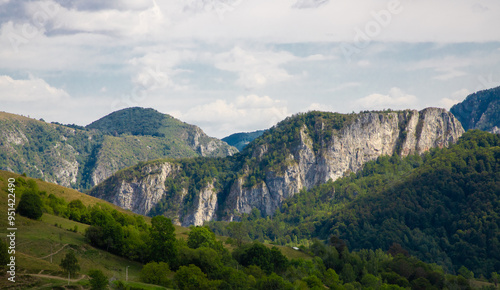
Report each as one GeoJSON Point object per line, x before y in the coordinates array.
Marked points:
{"type": "Point", "coordinates": [241, 140]}
{"type": "Point", "coordinates": [480, 110]}
{"type": "Point", "coordinates": [80, 157]}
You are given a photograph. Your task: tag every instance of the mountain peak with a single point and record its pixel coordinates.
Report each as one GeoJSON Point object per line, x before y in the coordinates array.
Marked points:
{"type": "Point", "coordinates": [134, 121]}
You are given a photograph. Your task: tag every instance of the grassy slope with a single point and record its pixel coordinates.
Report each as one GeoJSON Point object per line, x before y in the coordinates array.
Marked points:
{"type": "Point", "coordinates": [36, 240]}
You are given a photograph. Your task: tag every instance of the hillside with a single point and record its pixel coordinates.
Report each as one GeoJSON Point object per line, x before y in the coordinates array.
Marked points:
{"type": "Point", "coordinates": [442, 207]}
{"type": "Point", "coordinates": [241, 140]}
{"type": "Point", "coordinates": [480, 110]}
{"type": "Point", "coordinates": [301, 152]}
{"type": "Point", "coordinates": [80, 157]}
{"type": "Point", "coordinates": [123, 246]}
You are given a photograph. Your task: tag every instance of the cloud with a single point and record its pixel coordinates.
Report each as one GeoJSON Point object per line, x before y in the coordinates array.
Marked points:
{"type": "Point", "coordinates": [455, 98]}
{"type": "Point", "coordinates": [460, 94]}
{"type": "Point", "coordinates": [302, 4]}
{"type": "Point", "coordinates": [345, 86]}
{"type": "Point", "coordinates": [447, 103]}
{"type": "Point", "coordinates": [32, 89]}
{"type": "Point", "coordinates": [245, 113]}
{"type": "Point", "coordinates": [320, 107]}
{"type": "Point", "coordinates": [36, 98]}
{"type": "Point", "coordinates": [255, 69]}
{"type": "Point", "coordinates": [395, 99]}
{"type": "Point", "coordinates": [446, 68]}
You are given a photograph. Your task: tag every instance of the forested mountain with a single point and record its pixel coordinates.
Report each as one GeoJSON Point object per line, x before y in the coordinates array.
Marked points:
{"type": "Point", "coordinates": [80, 157]}
{"type": "Point", "coordinates": [241, 140]}
{"type": "Point", "coordinates": [443, 207]}
{"type": "Point", "coordinates": [480, 110]}
{"type": "Point", "coordinates": [103, 240]}
{"type": "Point", "coordinates": [301, 152]}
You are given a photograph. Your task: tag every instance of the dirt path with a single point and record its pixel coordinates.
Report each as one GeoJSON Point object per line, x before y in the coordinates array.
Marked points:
{"type": "Point", "coordinates": [54, 252]}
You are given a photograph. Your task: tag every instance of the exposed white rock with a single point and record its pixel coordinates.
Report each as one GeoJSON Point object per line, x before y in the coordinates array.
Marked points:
{"type": "Point", "coordinates": [369, 136]}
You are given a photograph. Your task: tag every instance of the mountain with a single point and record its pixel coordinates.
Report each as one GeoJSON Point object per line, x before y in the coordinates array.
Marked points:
{"type": "Point", "coordinates": [241, 140]}
{"type": "Point", "coordinates": [300, 152]}
{"type": "Point", "coordinates": [480, 110]}
{"type": "Point", "coordinates": [80, 157]}
{"type": "Point", "coordinates": [441, 206]}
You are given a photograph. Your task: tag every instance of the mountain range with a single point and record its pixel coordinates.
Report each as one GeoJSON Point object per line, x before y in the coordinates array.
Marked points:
{"type": "Point", "coordinates": [81, 157]}
{"type": "Point", "coordinates": [300, 152]}
{"type": "Point", "coordinates": [369, 179]}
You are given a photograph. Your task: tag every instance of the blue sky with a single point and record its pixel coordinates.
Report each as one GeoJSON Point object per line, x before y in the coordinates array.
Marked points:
{"type": "Point", "coordinates": [238, 65]}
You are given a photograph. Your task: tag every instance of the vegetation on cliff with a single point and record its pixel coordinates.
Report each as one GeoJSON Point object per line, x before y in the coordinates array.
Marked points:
{"type": "Point", "coordinates": [442, 206]}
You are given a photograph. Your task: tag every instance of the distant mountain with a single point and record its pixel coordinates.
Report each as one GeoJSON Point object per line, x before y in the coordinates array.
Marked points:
{"type": "Point", "coordinates": [300, 152]}
{"type": "Point", "coordinates": [80, 157]}
{"type": "Point", "coordinates": [240, 140]}
{"type": "Point", "coordinates": [480, 110]}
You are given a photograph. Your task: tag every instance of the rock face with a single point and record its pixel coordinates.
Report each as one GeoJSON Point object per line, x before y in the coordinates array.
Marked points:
{"type": "Point", "coordinates": [480, 110]}
{"type": "Point", "coordinates": [140, 194]}
{"type": "Point", "coordinates": [366, 137]}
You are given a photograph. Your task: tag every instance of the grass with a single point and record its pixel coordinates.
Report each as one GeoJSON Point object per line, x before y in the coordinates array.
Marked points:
{"type": "Point", "coordinates": [64, 223]}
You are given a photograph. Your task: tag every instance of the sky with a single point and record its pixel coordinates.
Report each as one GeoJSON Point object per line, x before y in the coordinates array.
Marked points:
{"type": "Point", "coordinates": [238, 65]}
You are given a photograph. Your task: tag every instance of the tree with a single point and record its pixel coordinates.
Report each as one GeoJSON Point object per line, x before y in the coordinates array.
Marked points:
{"type": "Point", "coordinates": [98, 280]}
{"type": "Point", "coordinates": [156, 273]}
{"type": "Point", "coordinates": [202, 237]}
{"type": "Point", "coordinates": [30, 205]}
{"type": "Point", "coordinates": [237, 231]}
{"type": "Point", "coordinates": [191, 277]}
{"type": "Point", "coordinates": [70, 263]}
{"type": "Point", "coordinates": [163, 243]}
{"type": "Point", "coordinates": [495, 277]}
{"type": "Point", "coordinates": [331, 279]}
{"type": "Point", "coordinates": [273, 282]}
{"type": "Point", "coordinates": [466, 273]}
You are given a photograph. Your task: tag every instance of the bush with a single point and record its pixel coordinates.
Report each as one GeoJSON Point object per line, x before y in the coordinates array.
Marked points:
{"type": "Point", "coordinates": [30, 205]}
{"type": "Point", "coordinates": [98, 280]}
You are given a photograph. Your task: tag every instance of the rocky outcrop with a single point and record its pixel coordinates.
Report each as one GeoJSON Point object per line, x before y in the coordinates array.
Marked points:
{"type": "Point", "coordinates": [137, 193]}
{"type": "Point", "coordinates": [309, 162]}
{"type": "Point", "coordinates": [204, 207]}
{"type": "Point", "coordinates": [368, 137]}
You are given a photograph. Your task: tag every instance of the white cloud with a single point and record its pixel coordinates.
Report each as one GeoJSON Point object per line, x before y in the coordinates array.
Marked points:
{"type": "Point", "coordinates": [320, 107]}
{"type": "Point", "coordinates": [119, 22]}
{"type": "Point", "coordinates": [455, 98]}
{"type": "Point", "coordinates": [345, 86]}
{"type": "Point", "coordinates": [364, 63]}
{"type": "Point", "coordinates": [447, 103]}
{"type": "Point", "coordinates": [255, 69]}
{"type": "Point", "coordinates": [33, 89]}
{"type": "Point", "coordinates": [460, 94]}
{"type": "Point", "coordinates": [301, 4]}
{"type": "Point", "coordinates": [156, 69]}
{"type": "Point", "coordinates": [246, 113]}
{"type": "Point", "coordinates": [36, 98]}
{"type": "Point", "coordinates": [395, 99]}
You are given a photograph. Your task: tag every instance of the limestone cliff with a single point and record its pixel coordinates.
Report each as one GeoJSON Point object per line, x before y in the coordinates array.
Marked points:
{"type": "Point", "coordinates": [299, 153]}
{"type": "Point", "coordinates": [365, 138]}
